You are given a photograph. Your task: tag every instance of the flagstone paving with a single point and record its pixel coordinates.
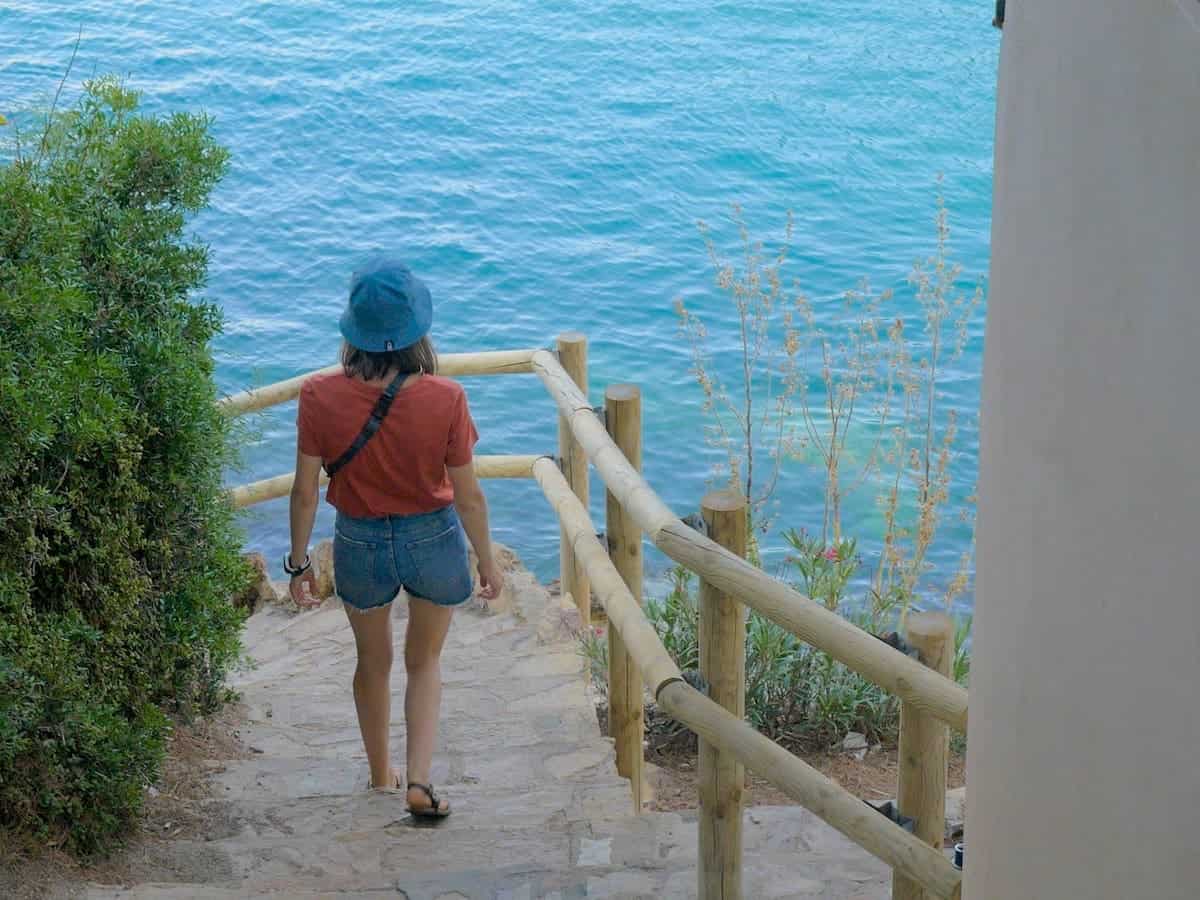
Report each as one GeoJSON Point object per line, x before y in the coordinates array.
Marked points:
{"type": "Point", "coordinates": [539, 810]}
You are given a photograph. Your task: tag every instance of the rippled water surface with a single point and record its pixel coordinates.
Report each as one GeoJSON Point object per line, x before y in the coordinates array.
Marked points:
{"type": "Point", "coordinates": [543, 165]}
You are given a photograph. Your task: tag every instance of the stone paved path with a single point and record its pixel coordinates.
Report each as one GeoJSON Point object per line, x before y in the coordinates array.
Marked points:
{"type": "Point", "coordinates": [539, 810]}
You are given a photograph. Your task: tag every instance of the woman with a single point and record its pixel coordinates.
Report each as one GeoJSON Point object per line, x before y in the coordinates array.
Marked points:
{"type": "Point", "coordinates": [397, 441]}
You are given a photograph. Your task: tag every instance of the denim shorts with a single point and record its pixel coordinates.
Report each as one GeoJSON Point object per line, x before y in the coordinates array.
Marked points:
{"type": "Point", "coordinates": [426, 554]}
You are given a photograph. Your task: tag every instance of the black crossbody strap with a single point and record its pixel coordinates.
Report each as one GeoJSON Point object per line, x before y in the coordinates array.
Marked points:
{"type": "Point", "coordinates": [382, 405]}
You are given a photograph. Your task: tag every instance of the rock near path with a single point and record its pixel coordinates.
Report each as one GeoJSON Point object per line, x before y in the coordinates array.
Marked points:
{"type": "Point", "coordinates": [539, 810]}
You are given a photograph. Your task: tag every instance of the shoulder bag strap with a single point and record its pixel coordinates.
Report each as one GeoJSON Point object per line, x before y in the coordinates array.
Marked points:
{"type": "Point", "coordinates": [382, 405]}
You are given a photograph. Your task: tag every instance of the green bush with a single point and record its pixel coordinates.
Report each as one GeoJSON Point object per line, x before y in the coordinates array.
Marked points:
{"type": "Point", "coordinates": [795, 694]}
{"type": "Point", "coordinates": [118, 551]}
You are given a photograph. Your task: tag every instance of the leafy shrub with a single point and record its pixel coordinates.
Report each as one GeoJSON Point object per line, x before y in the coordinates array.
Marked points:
{"type": "Point", "coordinates": [118, 550]}
{"type": "Point", "coordinates": [795, 694]}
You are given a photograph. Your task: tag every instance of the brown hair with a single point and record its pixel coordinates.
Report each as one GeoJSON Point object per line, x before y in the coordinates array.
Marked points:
{"type": "Point", "coordinates": [369, 365]}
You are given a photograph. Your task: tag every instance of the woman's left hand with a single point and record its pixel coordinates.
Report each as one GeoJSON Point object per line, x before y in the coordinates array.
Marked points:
{"type": "Point", "coordinates": [491, 580]}
{"type": "Point", "coordinates": [303, 589]}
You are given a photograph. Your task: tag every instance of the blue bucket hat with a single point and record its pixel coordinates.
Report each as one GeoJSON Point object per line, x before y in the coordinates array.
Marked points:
{"type": "Point", "coordinates": [389, 307]}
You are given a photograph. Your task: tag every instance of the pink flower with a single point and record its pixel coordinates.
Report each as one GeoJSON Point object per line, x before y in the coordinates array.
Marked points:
{"type": "Point", "coordinates": [831, 554]}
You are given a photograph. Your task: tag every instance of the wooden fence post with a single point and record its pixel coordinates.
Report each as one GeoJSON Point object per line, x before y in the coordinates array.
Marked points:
{"type": "Point", "coordinates": [723, 666]}
{"type": "Point", "coordinates": [572, 355]}
{"type": "Point", "coordinates": [623, 418]}
{"type": "Point", "coordinates": [924, 746]}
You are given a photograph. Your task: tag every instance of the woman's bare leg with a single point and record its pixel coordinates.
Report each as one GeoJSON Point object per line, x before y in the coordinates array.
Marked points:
{"type": "Point", "coordinates": [373, 688]}
{"type": "Point", "coordinates": [428, 625]}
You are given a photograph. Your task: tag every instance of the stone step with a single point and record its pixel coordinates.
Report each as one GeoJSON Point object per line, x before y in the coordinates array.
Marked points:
{"type": "Point", "coordinates": [561, 770]}
{"type": "Point", "coordinates": [472, 733]}
{"type": "Point", "coordinates": [788, 854]}
{"type": "Point", "coordinates": [539, 811]}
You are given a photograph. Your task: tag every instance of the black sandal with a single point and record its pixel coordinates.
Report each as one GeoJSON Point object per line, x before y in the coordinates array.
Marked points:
{"type": "Point", "coordinates": [434, 810]}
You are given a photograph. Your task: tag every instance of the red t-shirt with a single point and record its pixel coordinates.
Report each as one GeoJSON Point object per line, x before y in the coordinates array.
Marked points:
{"type": "Point", "coordinates": [402, 469]}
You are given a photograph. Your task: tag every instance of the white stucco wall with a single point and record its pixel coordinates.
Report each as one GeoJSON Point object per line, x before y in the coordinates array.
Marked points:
{"type": "Point", "coordinates": [1084, 752]}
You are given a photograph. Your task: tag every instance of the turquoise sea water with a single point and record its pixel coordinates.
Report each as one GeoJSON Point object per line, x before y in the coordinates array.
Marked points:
{"type": "Point", "coordinates": [543, 166]}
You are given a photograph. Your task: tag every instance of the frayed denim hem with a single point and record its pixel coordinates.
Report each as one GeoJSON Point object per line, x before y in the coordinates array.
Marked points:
{"type": "Point", "coordinates": [350, 607]}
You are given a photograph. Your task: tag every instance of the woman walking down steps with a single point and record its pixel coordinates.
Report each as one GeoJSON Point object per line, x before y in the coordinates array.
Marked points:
{"type": "Point", "coordinates": [397, 441]}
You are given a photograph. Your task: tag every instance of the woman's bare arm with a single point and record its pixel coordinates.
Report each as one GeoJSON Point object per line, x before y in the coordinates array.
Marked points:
{"type": "Point", "coordinates": [473, 511]}
{"type": "Point", "coordinates": [302, 510]}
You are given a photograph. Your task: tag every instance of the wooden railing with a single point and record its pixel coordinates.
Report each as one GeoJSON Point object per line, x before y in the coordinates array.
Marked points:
{"type": "Point", "coordinates": [611, 570]}
{"type": "Point", "coordinates": [489, 362]}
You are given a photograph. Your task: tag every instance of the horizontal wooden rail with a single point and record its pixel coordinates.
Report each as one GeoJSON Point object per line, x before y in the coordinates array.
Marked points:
{"type": "Point", "coordinates": [834, 804]}
{"type": "Point", "coordinates": [824, 629]}
{"type": "Point", "coordinates": [620, 477]}
{"type": "Point", "coordinates": [485, 467]}
{"type": "Point", "coordinates": [624, 614]}
{"type": "Point", "coordinates": [488, 362]}
{"type": "Point", "coordinates": [866, 654]}
{"type": "Point", "coordinates": [830, 801]}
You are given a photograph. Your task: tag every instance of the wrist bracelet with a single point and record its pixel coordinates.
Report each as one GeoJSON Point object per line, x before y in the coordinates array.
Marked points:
{"type": "Point", "coordinates": [296, 570]}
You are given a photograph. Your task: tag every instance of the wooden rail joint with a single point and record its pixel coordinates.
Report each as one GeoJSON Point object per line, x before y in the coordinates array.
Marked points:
{"type": "Point", "coordinates": [674, 679]}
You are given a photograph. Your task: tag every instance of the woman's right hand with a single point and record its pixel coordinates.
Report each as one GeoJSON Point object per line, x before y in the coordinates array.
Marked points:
{"type": "Point", "coordinates": [472, 509]}
{"type": "Point", "coordinates": [491, 579]}
{"type": "Point", "coordinates": [303, 589]}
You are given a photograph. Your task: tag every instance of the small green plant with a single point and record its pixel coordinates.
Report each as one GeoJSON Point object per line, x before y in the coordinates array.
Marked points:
{"type": "Point", "coordinates": [676, 618]}
{"type": "Point", "coordinates": [593, 647]}
{"type": "Point", "coordinates": [825, 569]}
{"type": "Point", "coordinates": [804, 698]}
{"type": "Point", "coordinates": [794, 694]}
{"type": "Point", "coordinates": [118, 551]}
{"type": "Point", "coordinates": [961, 669]}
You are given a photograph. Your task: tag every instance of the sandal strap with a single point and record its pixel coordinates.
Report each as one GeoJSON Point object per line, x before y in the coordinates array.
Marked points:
{"type": "Point", "coordinates": [434, 803]}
